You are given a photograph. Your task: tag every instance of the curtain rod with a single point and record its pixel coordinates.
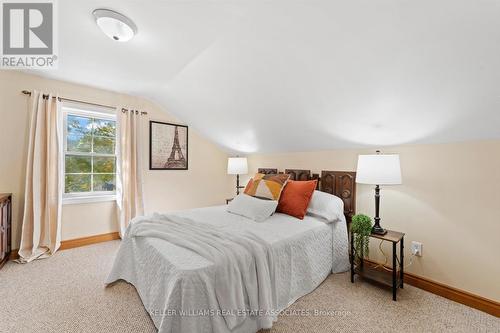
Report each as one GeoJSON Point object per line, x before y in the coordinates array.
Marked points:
{"type": "Point", "coordinates": [27, 92]}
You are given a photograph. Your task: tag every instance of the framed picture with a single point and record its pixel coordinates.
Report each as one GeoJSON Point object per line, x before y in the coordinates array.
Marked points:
{"type": "Point", "coordinates": [168, 146]}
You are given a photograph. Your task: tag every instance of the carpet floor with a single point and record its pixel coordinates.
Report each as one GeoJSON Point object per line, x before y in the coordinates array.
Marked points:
{"type": "Point", "coordinates": [66, 294]}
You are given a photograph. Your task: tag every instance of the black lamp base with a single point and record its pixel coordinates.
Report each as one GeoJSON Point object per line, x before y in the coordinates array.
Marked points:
{"type": "Point", "coordinates": [378, 230]}
{"type": "Point", "coordinates": [238, 187]}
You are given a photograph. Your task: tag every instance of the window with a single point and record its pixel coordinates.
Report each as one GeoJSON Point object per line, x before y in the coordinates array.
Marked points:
{"type": "Point", "coordinates": [89, 155]}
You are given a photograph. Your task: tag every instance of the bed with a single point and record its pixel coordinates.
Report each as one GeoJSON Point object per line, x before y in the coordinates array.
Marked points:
{"type": "Point", "coordinates": [176, 285]}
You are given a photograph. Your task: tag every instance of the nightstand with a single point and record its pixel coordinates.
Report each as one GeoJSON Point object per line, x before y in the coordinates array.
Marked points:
{"type": "Point", "coordinates": [370, 271]}
{"type": "Point", "coordinates": [229, 200]}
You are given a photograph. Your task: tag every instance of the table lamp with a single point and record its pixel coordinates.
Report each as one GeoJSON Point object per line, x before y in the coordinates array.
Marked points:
{"type": "Point", "coordinates": [237, 166]}
{"type": "Point", "coordinates": [379, 169]}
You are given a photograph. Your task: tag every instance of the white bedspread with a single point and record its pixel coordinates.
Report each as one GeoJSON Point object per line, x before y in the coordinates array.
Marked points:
{"type": "Point", "coordinates": [243, 277]}
{"type": "Point", "coordinates": [174, 282]}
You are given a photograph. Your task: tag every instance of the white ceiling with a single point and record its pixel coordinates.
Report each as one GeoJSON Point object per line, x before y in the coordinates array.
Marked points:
{"type": "Point", "coordinates": [264, 76]}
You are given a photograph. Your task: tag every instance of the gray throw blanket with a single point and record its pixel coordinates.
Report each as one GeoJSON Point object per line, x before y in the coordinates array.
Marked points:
{"type": "Point", "coordinates": [244, 270]}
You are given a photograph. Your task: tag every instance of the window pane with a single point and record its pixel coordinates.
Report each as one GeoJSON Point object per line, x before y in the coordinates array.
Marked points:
{"type": "Point", "coordinates": [78, 164]}
{"type": "Point", "coordinates": [79, 125]}
{"type": "Point", "coordinates": [104, 127]}
{"type": "Point", "coordinates": [104, 145]}
{"type": "Point", "coordinates": [104, 182]}
{"type": "Point", "coordinates": [104, 164]}
{"type": "Point", "coordinates": [79, 142]}
{"type": "Point", "coordinates": [77, 183]}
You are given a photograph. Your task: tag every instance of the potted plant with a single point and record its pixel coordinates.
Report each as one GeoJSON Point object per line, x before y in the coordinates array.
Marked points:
{"type": "Point", "coordinates": [361, 228]}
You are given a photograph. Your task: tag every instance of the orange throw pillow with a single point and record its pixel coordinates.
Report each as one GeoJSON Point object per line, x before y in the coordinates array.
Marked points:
{"type": "Point", "coordinates": [295, 198]}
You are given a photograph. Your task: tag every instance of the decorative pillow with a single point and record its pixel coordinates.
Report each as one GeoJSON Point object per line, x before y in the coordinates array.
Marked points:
{"type": "Point", "coordinates": [249, 185]}
{"type": "Point", "coordinates": [266, 186]}
{"type": "Point", "coordinates": [326, 205]}
{"type": "Point", "coordinates": [295, 198]}
{"type": "Point", "coordinates": [253, 208]}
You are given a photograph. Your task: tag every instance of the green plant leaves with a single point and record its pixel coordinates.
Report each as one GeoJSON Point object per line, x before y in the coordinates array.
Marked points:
{"type": "Point", "coordinates": [361, 227]}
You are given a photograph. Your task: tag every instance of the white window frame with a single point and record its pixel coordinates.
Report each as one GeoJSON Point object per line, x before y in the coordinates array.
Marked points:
{"type": "Point", "coordinates": [83, 110]}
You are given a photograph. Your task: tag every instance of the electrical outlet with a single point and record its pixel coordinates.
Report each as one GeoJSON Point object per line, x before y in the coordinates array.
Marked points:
{"type": "Point", "coordinates": [416, 248]}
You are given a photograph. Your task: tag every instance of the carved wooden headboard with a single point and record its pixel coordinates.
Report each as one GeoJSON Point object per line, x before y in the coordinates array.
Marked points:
{"type": "Point", "coordinates": [343, 185]}
{"type": "Point", "coordinates": [339, 183]}
{"type": "Point", "coordinates": [268, 171]}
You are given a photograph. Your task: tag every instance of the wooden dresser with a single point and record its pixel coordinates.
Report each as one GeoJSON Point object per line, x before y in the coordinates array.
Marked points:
{"type": "Point", "coordinates": [5, 226]}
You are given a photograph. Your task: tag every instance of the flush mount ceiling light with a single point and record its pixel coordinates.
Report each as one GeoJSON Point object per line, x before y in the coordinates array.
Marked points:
{"type": "Point", "coordinates": [115, 25]}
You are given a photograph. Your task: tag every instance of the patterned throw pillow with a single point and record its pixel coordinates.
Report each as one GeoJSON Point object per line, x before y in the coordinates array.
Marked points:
{"type": "Point", "coordinates": [266, 186]}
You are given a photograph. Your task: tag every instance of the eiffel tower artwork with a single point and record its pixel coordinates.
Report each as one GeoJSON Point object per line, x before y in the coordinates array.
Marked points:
{"type": "Point", "coordinates": [168, 146]}
{"type": "Point", "coordinates": [176, 159]}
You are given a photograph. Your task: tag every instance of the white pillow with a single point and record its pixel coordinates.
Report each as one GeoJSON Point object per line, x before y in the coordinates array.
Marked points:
{"type": "Point", "coordinates": [326, 205]}
{"type": "Point", "coordinates": [253, 208]}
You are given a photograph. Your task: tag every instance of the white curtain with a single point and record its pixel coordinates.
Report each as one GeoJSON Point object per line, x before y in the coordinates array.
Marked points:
{"type": "Point", "coordinates": [41, 230]}
{"type": "Point", "coordinates": [129, 181]}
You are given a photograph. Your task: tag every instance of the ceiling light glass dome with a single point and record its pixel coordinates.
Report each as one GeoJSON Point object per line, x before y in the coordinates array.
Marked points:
{"type": "Point", "coordinates": [115, 25]}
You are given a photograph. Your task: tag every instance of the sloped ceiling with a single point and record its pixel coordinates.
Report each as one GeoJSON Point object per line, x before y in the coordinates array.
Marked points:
{"type": "Point", "coordinates": [265, 76]}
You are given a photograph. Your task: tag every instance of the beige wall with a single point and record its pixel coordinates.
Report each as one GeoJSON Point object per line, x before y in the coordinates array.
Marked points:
{"type": "Point", "coordinates": [204, 184]}
{"type": "Point", "coordinates": [449, 201]}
